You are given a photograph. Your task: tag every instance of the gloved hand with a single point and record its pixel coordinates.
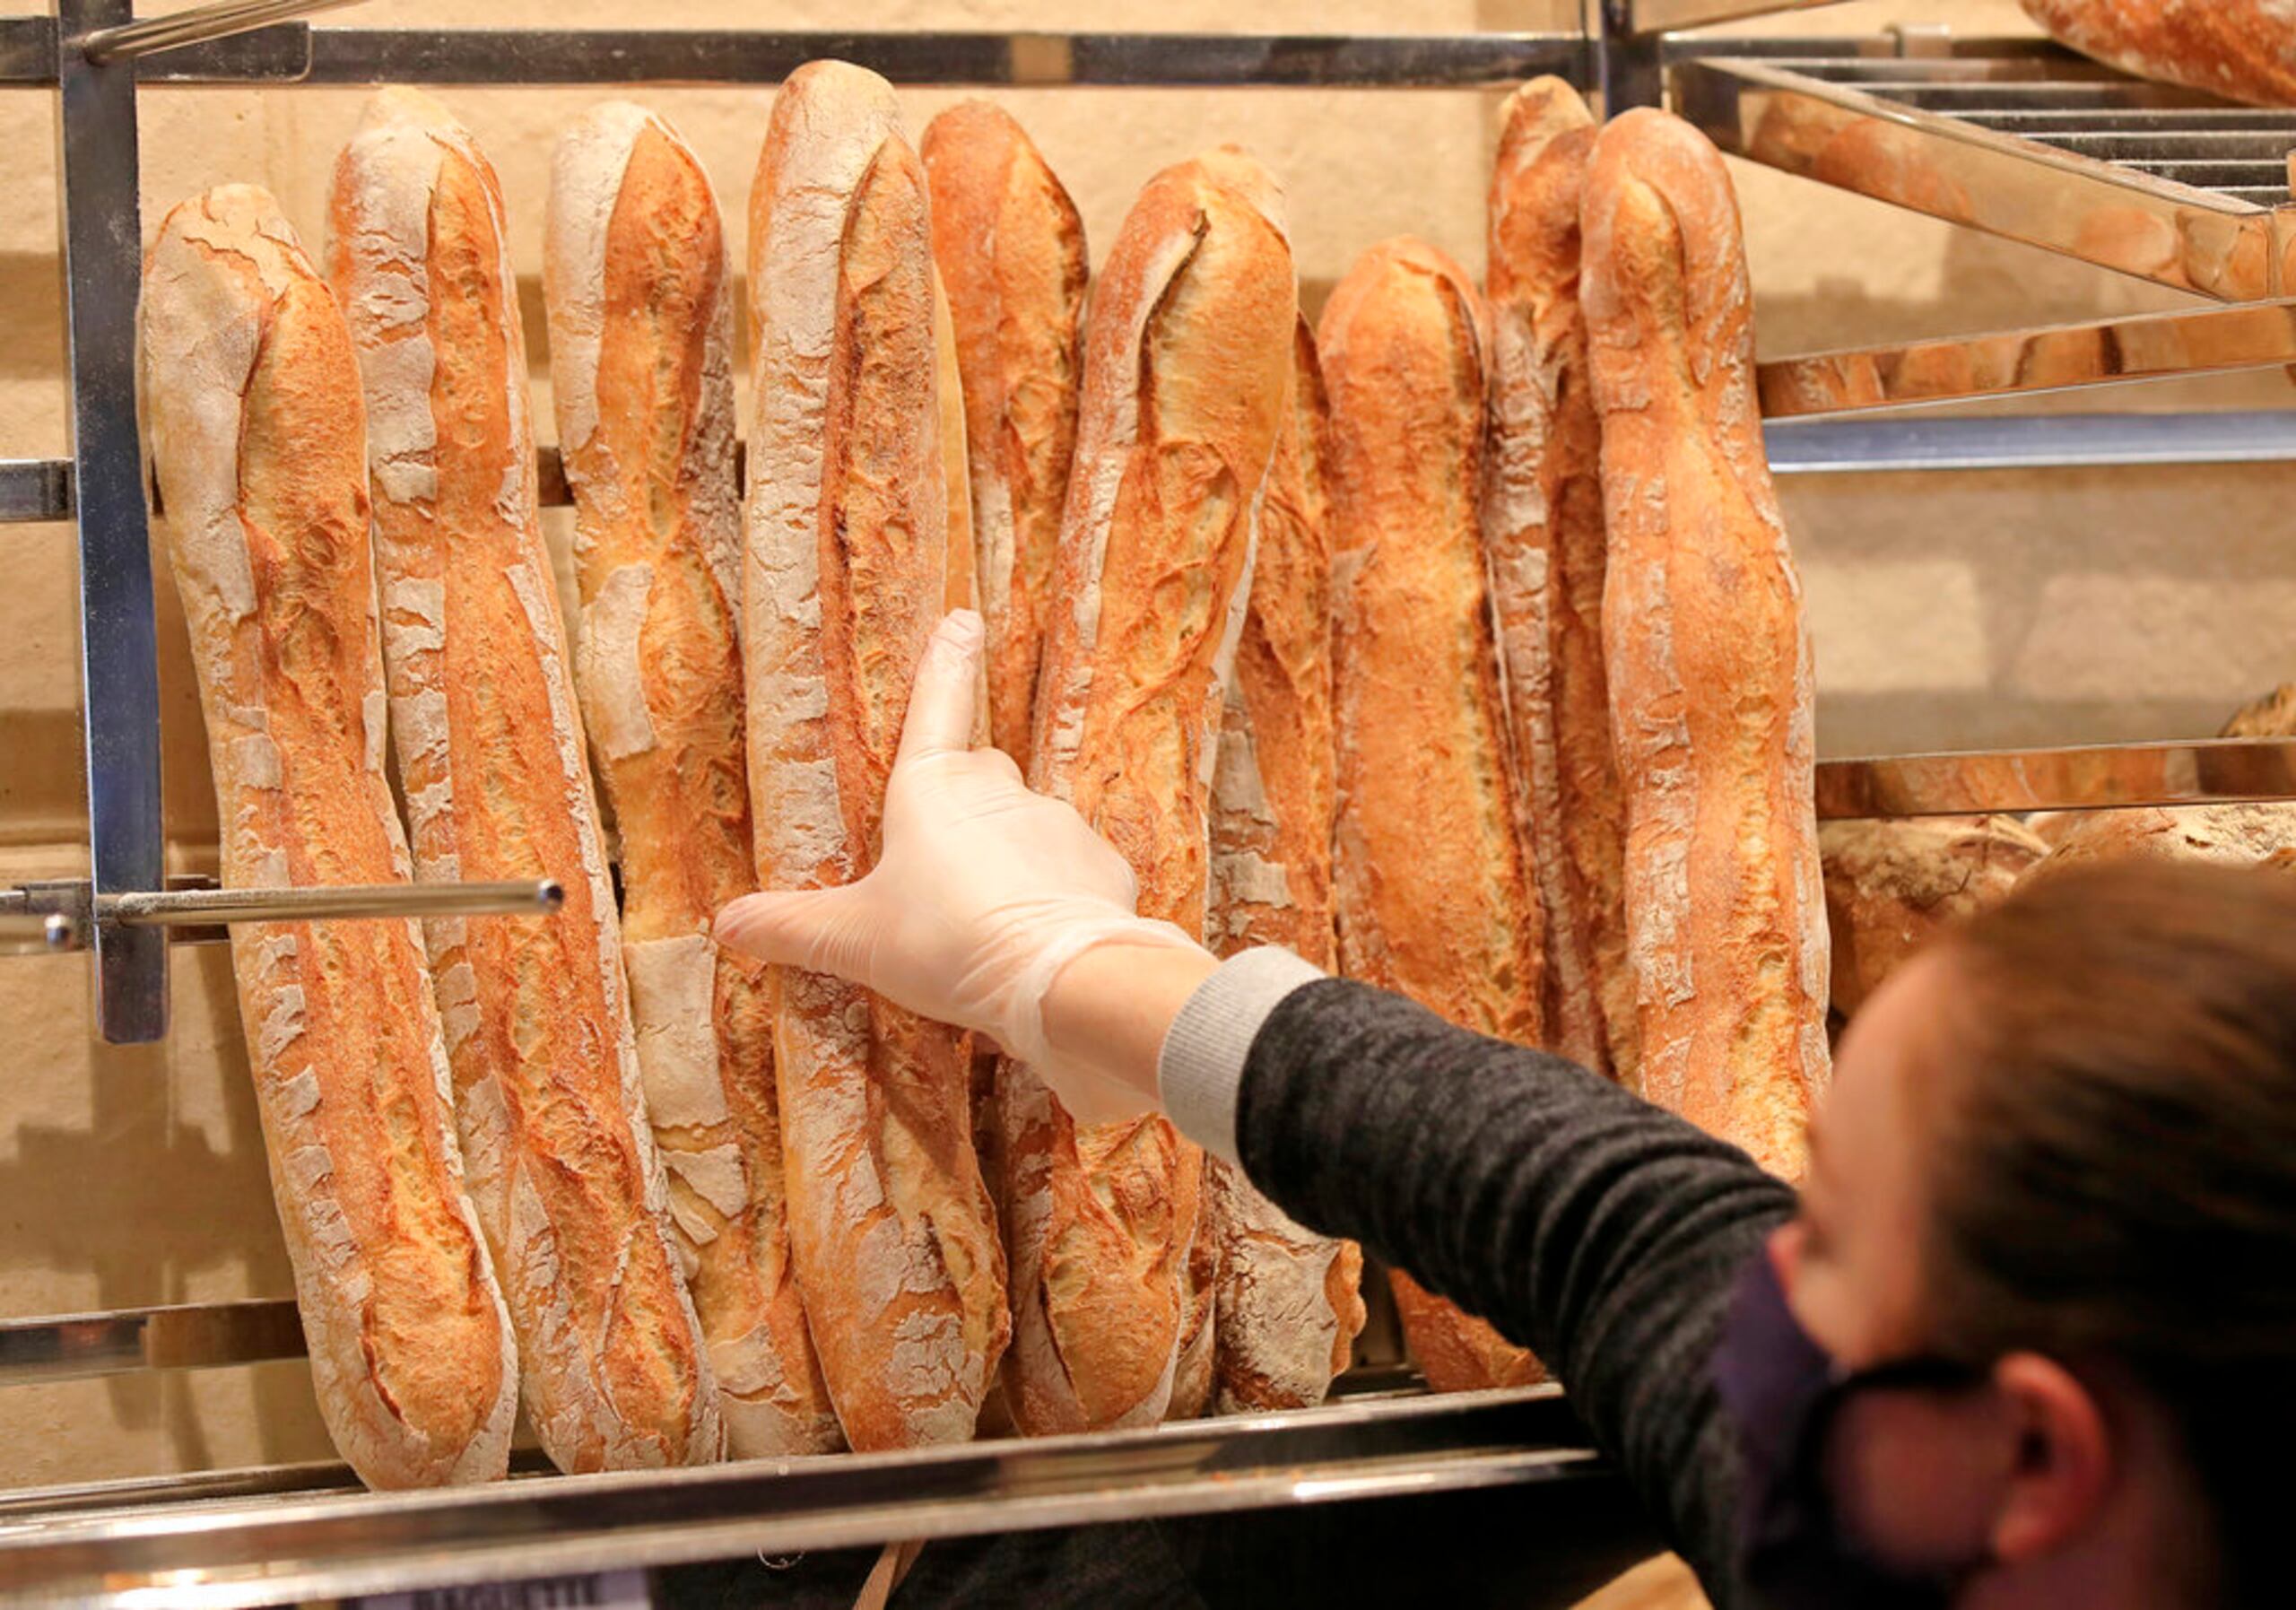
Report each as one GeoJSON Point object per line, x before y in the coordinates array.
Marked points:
{"type": "Point", "coordinates": [983, 892]}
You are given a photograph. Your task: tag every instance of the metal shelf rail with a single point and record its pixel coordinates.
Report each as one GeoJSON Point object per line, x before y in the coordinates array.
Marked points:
{"type": "Point", "coordinates": [262, 1537]}
{"type": "Point", "coordinates": [2033, 143]}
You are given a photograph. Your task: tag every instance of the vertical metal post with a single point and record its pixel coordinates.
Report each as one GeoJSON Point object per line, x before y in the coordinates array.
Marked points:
{"type": "Point", "coordinates": [103, 251]}
{"type": "Point", "coordinates": [1633, 72]}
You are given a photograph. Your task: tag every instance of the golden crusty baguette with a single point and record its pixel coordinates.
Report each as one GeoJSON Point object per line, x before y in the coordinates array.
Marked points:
{"type": "Point", "coordinates": [640, 309]}
{"type": "Point", "coordinates": [1712, 703]}
{"type": "Point", "coordinates": [1011, 249]}
{"type": "Point", "coordinates": [847, 572]}
{"type": "Point", "coordinates": [1430, 880]}
{"type": "Point", "coordinates": [1290, 1302]}
{"type": "Point", "coordinates": [547, 1089]}
{"type": "Point", "coordinates": [1185, 370]}
{"type": "Point", "coordinates": [1542, 531]}
{"type": "Point", "coordinates": [2242, 49]}
{"type": "Point", "coordinates": [251, 395]}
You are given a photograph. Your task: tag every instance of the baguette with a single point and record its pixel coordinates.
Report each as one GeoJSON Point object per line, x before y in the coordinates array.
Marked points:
{"type": "Point", "coordinates": [847, 561]}
{"type": "Point", "coordinates": [260, 441]}
{"type": "Point", "coordinates": [1711, 701]}
{"type": "Point", "coordinates": [547, 1088]}
{"type": "Point", "coordinates": [1432, 884]}
{"type": "Point", "coordinates": [2241, 50]}
{"type": "Point", "coordinates": [641, 311]}
{"type": "Point", "coordinates": [1011, 248]}
{"type": "Point", "coordinates": [1543, 534]}
{"type": "Point", "coordinates": [1290, 1302]}
{"type": "Point", "coordinates": [1185, 373]}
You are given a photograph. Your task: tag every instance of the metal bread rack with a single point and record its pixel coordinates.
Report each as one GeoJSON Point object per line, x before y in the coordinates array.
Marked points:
{"type": "Point", "coordinates": [2013, 136]}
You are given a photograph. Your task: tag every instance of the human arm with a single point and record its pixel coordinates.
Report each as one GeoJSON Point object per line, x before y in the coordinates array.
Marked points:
{"type": "Point", "coordinates": [1583, 1221]}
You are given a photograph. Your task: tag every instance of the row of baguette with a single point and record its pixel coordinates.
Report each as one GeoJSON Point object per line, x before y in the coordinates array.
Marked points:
{"type": "Point", "coordinates": [1457, 644]}
{"type": "Point", "coordinates": [709, 1206]}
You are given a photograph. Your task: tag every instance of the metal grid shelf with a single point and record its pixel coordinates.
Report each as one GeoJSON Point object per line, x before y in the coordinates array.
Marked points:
{"type": "Point", "coordinates": [2035, 145]}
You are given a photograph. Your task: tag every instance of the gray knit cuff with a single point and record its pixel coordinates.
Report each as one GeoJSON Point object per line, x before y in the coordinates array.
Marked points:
{"type": "Point", "coordinates": [1201, 1067]}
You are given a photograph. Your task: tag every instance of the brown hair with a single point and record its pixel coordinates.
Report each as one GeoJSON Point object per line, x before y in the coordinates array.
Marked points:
{"type": "Point", "coordinates": [2116, 1173]}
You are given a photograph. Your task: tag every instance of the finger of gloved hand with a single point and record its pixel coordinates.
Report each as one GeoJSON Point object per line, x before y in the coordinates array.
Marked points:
{"type": "Point", "coordinates": [821, 930]}
{"type": "Point", "coordinates": [942, 698]}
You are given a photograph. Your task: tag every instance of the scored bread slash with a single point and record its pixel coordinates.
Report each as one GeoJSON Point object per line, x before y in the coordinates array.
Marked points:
{"type": "Point", "coordinates": [1711, 698]}
{"type": "Point", "coordinates": [258, 436]}
{"type": "Point", "coordinates": [1431, 881]}
{"type": "Point", "coordinates": [1185, 368]}
{"type": "Point", "coordinates": [639, 301]}
{"type": "Point", "coordinates": [1544, 540]}
{"type": "Point", "coordinates": [847, 570]}
{"type": "Point", "coordinates": [491, 750]}
{"type": "Point", "coordinates": [1290, 1302]}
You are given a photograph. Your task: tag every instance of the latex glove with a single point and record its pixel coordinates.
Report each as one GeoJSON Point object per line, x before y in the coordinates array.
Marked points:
{"type": "Point", "coordinates": [982, 893]}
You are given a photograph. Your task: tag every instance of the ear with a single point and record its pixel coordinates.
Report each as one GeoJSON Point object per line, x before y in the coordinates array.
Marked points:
{"type": "Point", "coordinates": [2064, 1461]}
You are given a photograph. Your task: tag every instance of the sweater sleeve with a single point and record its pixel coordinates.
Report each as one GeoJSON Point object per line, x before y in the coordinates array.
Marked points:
{"type": "Point", "coordinates": [1597, 1230]}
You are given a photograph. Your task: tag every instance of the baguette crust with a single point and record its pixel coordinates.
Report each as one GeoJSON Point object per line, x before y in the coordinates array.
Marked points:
{"type": "Point", "coordinates": [1290, 1302]}
{"type": "Point", "coordinates": [1011, 248]}
{"type": "Point", "coordinates": [1186, 367]}
{"type": "Point", "coordinates": [1711, 689]}
{"type": "Point", "coordinates": [547, 1087]}
{"type": "Point", "coordinates": [1891, 886]}
{"type": "Point", "coordinates": [1432, 887]}
{"type": "Point", "coordinates": [848, 567]}
{"type": "Point", "coordinates": [259, 439]}
{"type": "Point", "coordinates": [1543, 531]}
{"type": "Point", "coordinates": [641, 311]}
{"type": "Point", "coordinates": [2242, 49]}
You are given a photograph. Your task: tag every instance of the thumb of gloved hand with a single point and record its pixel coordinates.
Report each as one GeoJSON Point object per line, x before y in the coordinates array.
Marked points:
{"type": "Point", "coordinates": [982, 893]}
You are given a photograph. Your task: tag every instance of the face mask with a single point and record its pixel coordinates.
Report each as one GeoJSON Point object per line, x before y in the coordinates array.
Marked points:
{"type": "Point", "coordinates": [1785, 1393]}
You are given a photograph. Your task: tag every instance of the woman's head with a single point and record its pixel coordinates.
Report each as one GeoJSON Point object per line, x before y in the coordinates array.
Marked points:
{"type": "Point", "coordinates": [2062, 1146]}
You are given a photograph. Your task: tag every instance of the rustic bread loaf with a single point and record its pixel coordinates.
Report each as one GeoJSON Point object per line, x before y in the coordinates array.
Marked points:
{"type": "Point", "coordinates": [1288, 1302]}
{"type": "Point", "coordinates": [1185, 366]}
{"type": "Point", "coordinates": [1711, 701]}
{"type": "Point", "coordinates": [1432, 884]}
{"type": "Point", "coordinates": [2242, 49]}
{"type": "Point", "coordinates": [1011, 249]}
{"type": "Point", "coordinates": [640, 309]}
{"type": "Point", "coordinates": [251, 397]}
{"type": "Point", "coordinates": [1542, 533]}
{"type": "Point", "coordinates": [848, 569]}
{"type": "Point", "coordinates": [547, 1088]}
{"type": "Point", "coordinates": [1891, 886]}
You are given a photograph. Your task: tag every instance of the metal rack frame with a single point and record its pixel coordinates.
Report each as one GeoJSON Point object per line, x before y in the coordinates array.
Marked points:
{"type": "Point", "coordinates": [120, 1540]}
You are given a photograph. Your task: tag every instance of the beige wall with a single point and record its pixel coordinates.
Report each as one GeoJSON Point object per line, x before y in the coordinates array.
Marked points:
{"type": "Point", "coordinates": [1948, 611]}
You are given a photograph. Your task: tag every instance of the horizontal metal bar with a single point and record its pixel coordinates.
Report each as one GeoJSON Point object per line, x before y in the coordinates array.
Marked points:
{"type": "Point", "coordinates": [2149, 346]}
{"type": "Point", "coordinates": [2176, 144]}
{"type": "Point", "coordinates": [2041, 120]}
{"type": "Point", "coordinates": [196, 25]}
{"type": "Point", "coordinates": [280, 53]}
{"type": "Point", "coordinates": [193, 1337]}
{"type": "Point", "coordinates": [1949, 168]}
{"type": "Point", "coordinates": [1665, 16]}
{"type": "Point", "coordinates": [35, 489]}
{"type": "Point", "coordinates": [2048, 441]}
{"type": "Point", "coordinates": [67, 912]}
{"type": "Point", "coordinates": [276, 1548]}
{"type": "Point", "coordinates": [2101, 777]}
{"type": "Point", "coordinates": [720, 55]}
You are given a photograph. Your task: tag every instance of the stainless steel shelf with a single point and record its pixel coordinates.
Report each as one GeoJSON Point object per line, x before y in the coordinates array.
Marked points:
{"type": "Point", "coordinates": [2048, 441]}
{"type": "Point", "coordinates": [272, 1544]}
{"type": "Point", "coordinates": [2214, 772]}
{"type": "Point", "coordinates": [299, 53]}
{"type": "Point", "coordinates": [2047, 148]}
{"type": "Point", "coordinates": [2152, 346]}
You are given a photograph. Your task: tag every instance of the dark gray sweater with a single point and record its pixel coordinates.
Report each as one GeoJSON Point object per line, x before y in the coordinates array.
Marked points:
{"type": "Point", "coordinates": [1585, 1224]}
